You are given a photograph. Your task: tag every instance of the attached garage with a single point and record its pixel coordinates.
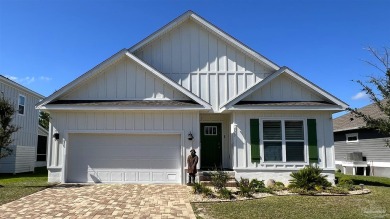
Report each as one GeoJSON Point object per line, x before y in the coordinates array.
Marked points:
{"type": "Point", "coordinates": [124, 158]}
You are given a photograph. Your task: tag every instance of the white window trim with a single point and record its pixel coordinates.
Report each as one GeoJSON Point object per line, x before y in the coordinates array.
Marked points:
{"type": "Point", "coordinates": [352, 135]}
{"type": "Point", "coordinates": [24, 109]}
{"type": "Point", "coordinates": [284, 162]}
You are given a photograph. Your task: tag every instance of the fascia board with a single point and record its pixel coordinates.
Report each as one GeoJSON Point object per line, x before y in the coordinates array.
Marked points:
{"type": "Point", "coordinates": [55, 107]}
{"type": "Point", "coordinates": [161, 31]}
{"type": "Point", "coordinates": [190, 14]}
{"type": "Point", "coordinates": [18, 86]}
{"type": "Point", "coordinates": [233, 41]}
{"type": "Point", "coordinates": [284, 108]}
{"type": "Point", "coordinates": [169, 81]}
{"type": "Point", "coordinates": [316, 88]}
{"type": "Point", "coordinates": [83, 77]}
{"type": "Point", "coordinates": [252, 88]}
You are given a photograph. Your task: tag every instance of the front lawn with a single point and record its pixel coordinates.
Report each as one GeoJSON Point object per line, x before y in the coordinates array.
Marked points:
{"type": "Point", "coordinates": [374, 205]}
{"type": "Point", "coordinates": [13, 187]}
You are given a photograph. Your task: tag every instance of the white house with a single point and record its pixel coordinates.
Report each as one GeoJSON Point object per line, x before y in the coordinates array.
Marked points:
{"type": "Point", "coordinates": [23, 158]}
{"type": "Point", "coordinates": [131, 118]}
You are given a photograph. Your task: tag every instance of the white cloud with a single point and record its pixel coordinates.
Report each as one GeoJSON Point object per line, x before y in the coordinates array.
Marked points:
{"type": "Point", "coordinates": [360, 95]}
{"type": "Point", "coordinates": [11, 77]}
{"type": "Point", "coordinates": [44, 78]}
{"type": "Point", "coordinates": [27, 80]}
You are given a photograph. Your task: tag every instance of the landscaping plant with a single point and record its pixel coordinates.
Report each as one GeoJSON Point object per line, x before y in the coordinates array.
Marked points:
{"type": "Point", "coordinates": [225, 193]}
{"type": "Point", "coordinates": [245, 188]}
{"type": "Point", "coordinates": [219, 179]}
{"type": "Point", "coordinates": [308, 178]}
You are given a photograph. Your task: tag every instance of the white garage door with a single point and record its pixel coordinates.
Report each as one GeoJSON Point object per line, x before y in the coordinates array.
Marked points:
{"type": "Point", "coordinates": [117, 158]}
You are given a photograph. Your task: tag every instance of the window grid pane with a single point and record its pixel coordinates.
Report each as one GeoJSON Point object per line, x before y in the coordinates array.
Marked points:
{"type": "Point", "coordinates": [294, 130]}
{"type": "Point", "coordinates": [273, 151]}
{"type": "Point", "coordinates": [295, 151]}
{"type": "Point", "coordinates": [272, 130]}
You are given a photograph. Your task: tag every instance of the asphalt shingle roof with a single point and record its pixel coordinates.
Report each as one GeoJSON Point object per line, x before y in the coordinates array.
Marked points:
{"type": "Point", "coordinates": [284, 103]}
{"type": "Point", "coordinates": [132, 103]}
{"type": "Point", "coordinates": [349, 121]}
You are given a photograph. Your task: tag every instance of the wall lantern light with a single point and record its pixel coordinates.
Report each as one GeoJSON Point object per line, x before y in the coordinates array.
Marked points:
{"type": "Point", "coordinates": [190, 136]}
{"type": "Point", "coordinates": [56, 136]}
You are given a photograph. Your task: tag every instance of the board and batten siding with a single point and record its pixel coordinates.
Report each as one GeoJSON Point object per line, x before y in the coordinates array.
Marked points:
{"type": "Point", "coordinates": [241, 140]}
{"type": "Point", "coordinates": [135, 121]}
{"type": "Point", "coordinates": [28, 123]}
{"type": "Point", "coordinates": [371, 144]}
{"type": "Point", "coordinates": [203, 63]}
{"type": "Point", "coordinates": [26, 138]}
{"type": "Point", "coordinates": [124, 79]}
{"type": "Point", "coordinates": [283, 88]}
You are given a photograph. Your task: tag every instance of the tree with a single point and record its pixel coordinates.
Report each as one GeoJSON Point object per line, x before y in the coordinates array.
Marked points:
{"type": "Point", "coordinates": [44, 119]}
{"type": "Point", "coordinates": [7, 111]}
{"type": "Point", "coordinates": [378, 91]}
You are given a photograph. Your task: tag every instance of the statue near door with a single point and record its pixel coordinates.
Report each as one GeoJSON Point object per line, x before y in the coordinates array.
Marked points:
{"type": "Point", "coordinates": [192, 161]}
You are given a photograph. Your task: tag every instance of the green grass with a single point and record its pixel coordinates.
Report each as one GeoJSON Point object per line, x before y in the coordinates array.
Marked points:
{"type": "Point", "coordinates": [13, 187]}
{"type": "Point", "coordinates": [374, 205]}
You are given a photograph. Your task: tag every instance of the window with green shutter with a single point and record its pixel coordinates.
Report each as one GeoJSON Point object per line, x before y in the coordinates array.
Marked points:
{"type": "Point", "coordinates": [283, 140]}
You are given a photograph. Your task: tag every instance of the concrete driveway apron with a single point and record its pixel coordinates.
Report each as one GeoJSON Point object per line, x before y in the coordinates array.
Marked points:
{"type": "Point", "coordinates": [103, 201]}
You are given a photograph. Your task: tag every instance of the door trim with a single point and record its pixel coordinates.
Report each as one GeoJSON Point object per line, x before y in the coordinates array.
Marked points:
{"type": "Point", "coordinates": [221, 139]}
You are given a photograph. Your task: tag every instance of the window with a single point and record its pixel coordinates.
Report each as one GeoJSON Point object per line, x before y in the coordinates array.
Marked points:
{"type": "Point", "coordinates": [22, 101]}
{"type": "Point", "coordinates": [283, 140]}
{"type": "Point", "coordinates": [210, 130]}
{"type": "Point", "coordinates": [353, 137]}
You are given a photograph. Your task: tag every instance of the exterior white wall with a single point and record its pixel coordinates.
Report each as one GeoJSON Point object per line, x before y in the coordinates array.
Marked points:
{"type": "Point", "coordinates": [63, 122]}
{"type": "Point", "coordinates": [27, 136]}
{"type": "Point", "coordinates": [203, 63]}
{"type": "Point", "coordinates": [283, 88]}
{"type": "Point", "coordinates": [277, 175]}
{"type": "Point", "coordinates": [242, 147]}
{"type": "Point", "coordinates": [21, 160]}
{"type": "Point", "coordinates": [122, 80]}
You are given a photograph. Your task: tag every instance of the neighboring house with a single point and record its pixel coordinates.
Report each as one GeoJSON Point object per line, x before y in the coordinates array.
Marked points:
{"type": "Point", "coordinates": [134, 117]}
{"type": "Point", "coordinates": [26, 117]}
{"type": "Point", "coordinates": [350, 135]}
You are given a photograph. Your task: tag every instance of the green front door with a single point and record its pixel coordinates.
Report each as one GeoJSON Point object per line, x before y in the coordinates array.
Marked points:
{"type": "Point", "coordinates": [211, 145]}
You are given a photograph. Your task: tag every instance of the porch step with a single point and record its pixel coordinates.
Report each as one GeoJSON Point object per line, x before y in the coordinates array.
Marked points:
{"type": "Point", "coordinates": [205, 178]}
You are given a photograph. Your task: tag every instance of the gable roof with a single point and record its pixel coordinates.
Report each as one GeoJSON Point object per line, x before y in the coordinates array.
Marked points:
{"type": "Point", "coordinates": [350, 122]}
{"type": "Point", "coordinates": [284, 70]}
{"type": "Point", "coordinates": [18, 86]}
{"type": "Point", "coordinates": [122, 53]}
{"type": "Point", "coordinates": [209, 26]}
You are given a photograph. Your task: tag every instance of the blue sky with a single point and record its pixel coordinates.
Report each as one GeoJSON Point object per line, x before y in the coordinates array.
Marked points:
{"type": "Point", "coordinates": [46, 44]}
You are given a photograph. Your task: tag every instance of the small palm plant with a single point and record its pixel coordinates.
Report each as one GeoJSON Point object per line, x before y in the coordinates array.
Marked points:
{"type": "Point", "coordinates": [309, 178]}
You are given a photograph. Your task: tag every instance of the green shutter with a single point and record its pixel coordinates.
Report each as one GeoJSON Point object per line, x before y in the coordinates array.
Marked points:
{"type": "Point", "coordinates": [255, 140]}
{"type": "Point", "coordinates": [312, 137]}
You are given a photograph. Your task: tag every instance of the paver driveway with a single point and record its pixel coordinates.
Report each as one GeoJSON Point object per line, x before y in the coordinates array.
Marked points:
{"type": "Point", "coordinates": [103, 201]}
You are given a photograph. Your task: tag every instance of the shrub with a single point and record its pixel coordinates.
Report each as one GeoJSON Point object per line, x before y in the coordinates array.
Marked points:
{"type": "Point", "coordinates": [265, 190]}
{"type": "Point", "coordinates": [198, 188]}
{"type": "Point", "coordinates": [278, 186]}
{"type": "Point", "coordinates": [308, 178]}
{"type": "Point", "coordinates": [225, 193]}
{"type": "Point", "coordinates": [245, 188]}
{"type": "Point", "coordinates": [337, 190]}
{"type": "Point", "coordinates": [257, 185]}
{"type": "Point", "coordinates": [207, 192]}
{"type": "Point", "coordinates": [303, 191]}
{"type": "Point", "coordinates": [219, 180]}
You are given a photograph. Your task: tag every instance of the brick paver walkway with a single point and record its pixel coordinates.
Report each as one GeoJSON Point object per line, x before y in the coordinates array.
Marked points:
{"type": "Point", "coordinates": [103, 201]}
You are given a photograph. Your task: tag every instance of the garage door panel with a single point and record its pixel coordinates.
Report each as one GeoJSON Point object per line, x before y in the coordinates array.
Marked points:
{"type": "Point", "coordinates": [124, 158]}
